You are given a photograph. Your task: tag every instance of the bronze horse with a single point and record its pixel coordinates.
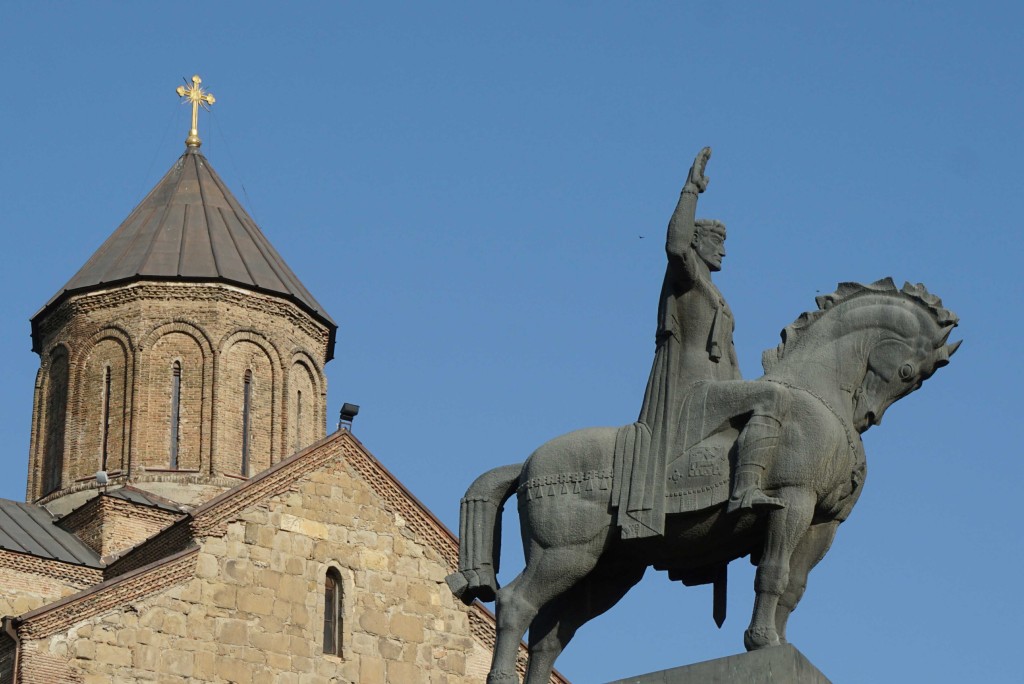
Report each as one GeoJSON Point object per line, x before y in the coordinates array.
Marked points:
{"type": "Point", "coordinates": [863, 349]}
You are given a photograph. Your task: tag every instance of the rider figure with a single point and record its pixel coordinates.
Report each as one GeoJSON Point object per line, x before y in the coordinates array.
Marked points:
{"type": "Point", "coordinates": [694, 345]}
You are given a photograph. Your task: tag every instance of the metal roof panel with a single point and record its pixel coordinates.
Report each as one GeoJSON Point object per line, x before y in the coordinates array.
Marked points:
{"type": "Point", "coordinates": [28, 528]}
{"type": "Point", "coordinates": [191, 227]}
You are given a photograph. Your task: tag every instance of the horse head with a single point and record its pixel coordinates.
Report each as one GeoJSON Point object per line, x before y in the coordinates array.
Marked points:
{"type": "Point", "coordinates": [876, 342]}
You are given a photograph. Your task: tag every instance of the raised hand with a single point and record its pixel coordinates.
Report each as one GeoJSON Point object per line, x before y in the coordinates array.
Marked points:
{"type": "Point", "coordinates": [697, 178]}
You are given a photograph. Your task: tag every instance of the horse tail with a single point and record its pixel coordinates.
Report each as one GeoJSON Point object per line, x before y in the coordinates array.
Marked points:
{"type": "Point", "coordinates": [480, 534]}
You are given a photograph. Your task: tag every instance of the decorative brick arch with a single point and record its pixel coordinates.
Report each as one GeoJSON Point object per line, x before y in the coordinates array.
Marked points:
{"type": "Point", "coordinates": [48, 451]}
{"type": "Point", "coordinates": [181, 325]}
{"type": "Point", "coordinates": [189, 345]}
{"type": "Point", "coordinates": [113, 332]}
{"type": "Point", "coordinates": [257, 338]}
{"type": "Point", "coordinates": [100, 404]}
{"type": "Point", "coordinates": [304, 356]}
{"type": "Point", "coordinates": [264, 417]}
{"type": "Point", "coordinates": [305, 402]}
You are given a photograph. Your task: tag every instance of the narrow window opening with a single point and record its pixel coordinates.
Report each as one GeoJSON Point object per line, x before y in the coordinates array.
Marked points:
{"type": "Point", "coordinates": [56, 412]}
{"type": "Point", "coordinates": [175, 412]}
{"type": "Point", "coordinates": [332, 612]}
{"type": "Point", "coordinates": [105, 449]}
{"type": "Point", "coordinates": [298, 420]}
{"type": "Point", "coordinates": [246, 408]}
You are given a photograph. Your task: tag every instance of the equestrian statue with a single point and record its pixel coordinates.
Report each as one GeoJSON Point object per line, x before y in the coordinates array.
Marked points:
{"type": "Point", "coordinates": [715, 469]}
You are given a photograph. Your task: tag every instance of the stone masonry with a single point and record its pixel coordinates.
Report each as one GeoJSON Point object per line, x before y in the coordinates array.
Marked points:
{"type": "Point", "coordinates": [244, 600]}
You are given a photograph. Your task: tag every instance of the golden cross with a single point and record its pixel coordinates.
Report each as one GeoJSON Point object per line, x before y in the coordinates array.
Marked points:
{"type": "Point", "coordinates": [197, 96]}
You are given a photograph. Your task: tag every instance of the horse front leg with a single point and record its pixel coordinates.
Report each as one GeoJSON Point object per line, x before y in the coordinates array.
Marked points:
{"type": "Point", "coordinates": [786, 527]}
{"type": "Point", "coordinates": [812, 548]}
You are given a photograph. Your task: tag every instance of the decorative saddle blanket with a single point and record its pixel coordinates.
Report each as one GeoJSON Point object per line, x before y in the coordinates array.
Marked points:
{"type": "Point", "coordinates": [690, 473]}
{"type": "Point", "coordinates": [699, 477]}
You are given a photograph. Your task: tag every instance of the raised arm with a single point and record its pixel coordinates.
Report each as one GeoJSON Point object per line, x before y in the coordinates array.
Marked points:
{"type": "Point", "coordinates": [681, 226]}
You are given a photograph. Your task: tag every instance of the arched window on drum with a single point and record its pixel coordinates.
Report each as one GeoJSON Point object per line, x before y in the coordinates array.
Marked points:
{"type": "Point", "coordinates": [175, 413]}
{"type": "Point", "coordinates": [246, 420]}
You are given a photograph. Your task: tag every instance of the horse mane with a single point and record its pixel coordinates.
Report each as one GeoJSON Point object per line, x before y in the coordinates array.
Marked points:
{"type": "Point", "coordinates": [792, 333]}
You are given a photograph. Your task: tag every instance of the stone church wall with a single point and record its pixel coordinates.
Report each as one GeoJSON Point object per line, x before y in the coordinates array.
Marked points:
{"type": "Point", "coordinates": [248, 604]}
{"type": "Point", "coordinates": [28, 582]}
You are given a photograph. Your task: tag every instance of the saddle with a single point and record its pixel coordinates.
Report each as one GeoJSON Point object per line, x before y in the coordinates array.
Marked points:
{"type": "Point", "coordinates": [651, 480]}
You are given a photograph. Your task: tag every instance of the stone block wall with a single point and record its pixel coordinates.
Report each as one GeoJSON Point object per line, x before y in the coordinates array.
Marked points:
{"type": "Point", "coordinates": [28, 582]}
{"type": "Point", "coordinates": [109, 359]}
{"type": "Point", "coordinates": [248, 605]}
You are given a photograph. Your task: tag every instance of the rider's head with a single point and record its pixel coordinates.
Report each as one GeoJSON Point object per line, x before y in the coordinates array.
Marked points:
{"type": "Point", "coordinates": [709, 242]}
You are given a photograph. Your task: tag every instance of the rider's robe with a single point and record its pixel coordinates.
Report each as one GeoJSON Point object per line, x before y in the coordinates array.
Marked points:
{"type": "Point", "coordinates": [693, 346]}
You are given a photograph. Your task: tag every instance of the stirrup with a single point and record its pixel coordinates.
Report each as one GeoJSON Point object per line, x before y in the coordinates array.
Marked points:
{"type": "Point", "coordinates": [752, 497]}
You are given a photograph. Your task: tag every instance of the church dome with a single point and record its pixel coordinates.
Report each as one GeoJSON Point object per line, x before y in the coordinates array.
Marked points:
{"type": "Point", "coordinates": [183, 356]}
{"type": "Point", "coordinates": [190, 228]}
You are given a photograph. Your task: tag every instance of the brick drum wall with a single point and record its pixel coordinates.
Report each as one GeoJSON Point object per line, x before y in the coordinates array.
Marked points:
{"type": "Point", "coordinates": [97, 418]}
{"type": "Point", "coordinates": [136, 333]}
{"type": "Point", "coordinates": [182, 345]}
{"type": "Point", "coordinates": [50, 421]}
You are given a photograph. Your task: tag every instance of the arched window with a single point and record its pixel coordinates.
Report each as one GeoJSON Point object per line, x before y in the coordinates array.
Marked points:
{"type": "Point", "coordinates": [298, 420]}
{"type": "Point", "coordinates": [175, 412]}
{"type": "Point", "coordinates": [105, 448]}
{"type": "Point", "coordinates": [56, 413]}
{"type": "Point", "coordinates": [246, 409]}
{"type": "Point", "coordinates": [332, 612]}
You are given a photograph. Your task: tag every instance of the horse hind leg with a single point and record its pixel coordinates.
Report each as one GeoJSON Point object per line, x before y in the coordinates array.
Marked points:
{"type": "Point", "coordinates": [549, 573]}
{"type": "Point", "coordinates": [557, 622]}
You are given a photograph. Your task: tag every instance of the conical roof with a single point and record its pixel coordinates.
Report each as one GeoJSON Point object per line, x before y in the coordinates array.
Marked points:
{"type": "Point", "coordinates": [191, 228]}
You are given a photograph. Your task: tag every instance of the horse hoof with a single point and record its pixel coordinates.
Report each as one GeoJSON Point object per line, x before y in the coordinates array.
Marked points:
{"type": "Point", "coordinates": [754, 639]}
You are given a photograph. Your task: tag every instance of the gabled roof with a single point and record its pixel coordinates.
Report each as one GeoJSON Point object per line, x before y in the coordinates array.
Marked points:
{"type": "Point", "coordinates": [143, 498]}
{"type": "Point", "coordinates": [130, 494]}
{"type": "Point", "coordinates": [190, 227]}
{"type": "Point", "coordinates": [28, 528]}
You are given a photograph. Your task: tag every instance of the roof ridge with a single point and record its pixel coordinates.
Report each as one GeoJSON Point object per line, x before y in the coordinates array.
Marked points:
{"type": "Point", "coordinates": [183, 239]}
{"type": "Point", "coordinates": [263, 244]}
{"type": "Point", "coordinates": [252, 231]}
{"type": "Point", "coordinates": [150, 495]}
{"type": "Point", "coordinates": [209, 231]}
{"type": "Point", "coordinates": [234, 243]}
{"type": "Point", "coordinates": [159, 228]}
{"type": "Point", "coordinates": [107, 244]}
{"type": "Point", "coordinates": [136, 237]}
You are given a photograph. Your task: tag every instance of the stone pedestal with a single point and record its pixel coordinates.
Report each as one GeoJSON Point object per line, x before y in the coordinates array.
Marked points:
{"type": "Point", "coordinates": [779, 665]}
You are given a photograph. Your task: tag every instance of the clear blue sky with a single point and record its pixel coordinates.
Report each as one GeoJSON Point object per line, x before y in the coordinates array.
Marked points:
{"type": "Point", "coordinates": [465, 188]}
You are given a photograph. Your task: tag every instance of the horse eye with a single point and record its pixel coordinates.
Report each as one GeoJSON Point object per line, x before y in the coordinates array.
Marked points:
{"type": "Point", "coordinates": [906, 371]}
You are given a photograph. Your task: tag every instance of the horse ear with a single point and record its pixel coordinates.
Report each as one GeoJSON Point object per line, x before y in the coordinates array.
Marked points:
{"type": "Point", "coordinates": [942, 354]}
